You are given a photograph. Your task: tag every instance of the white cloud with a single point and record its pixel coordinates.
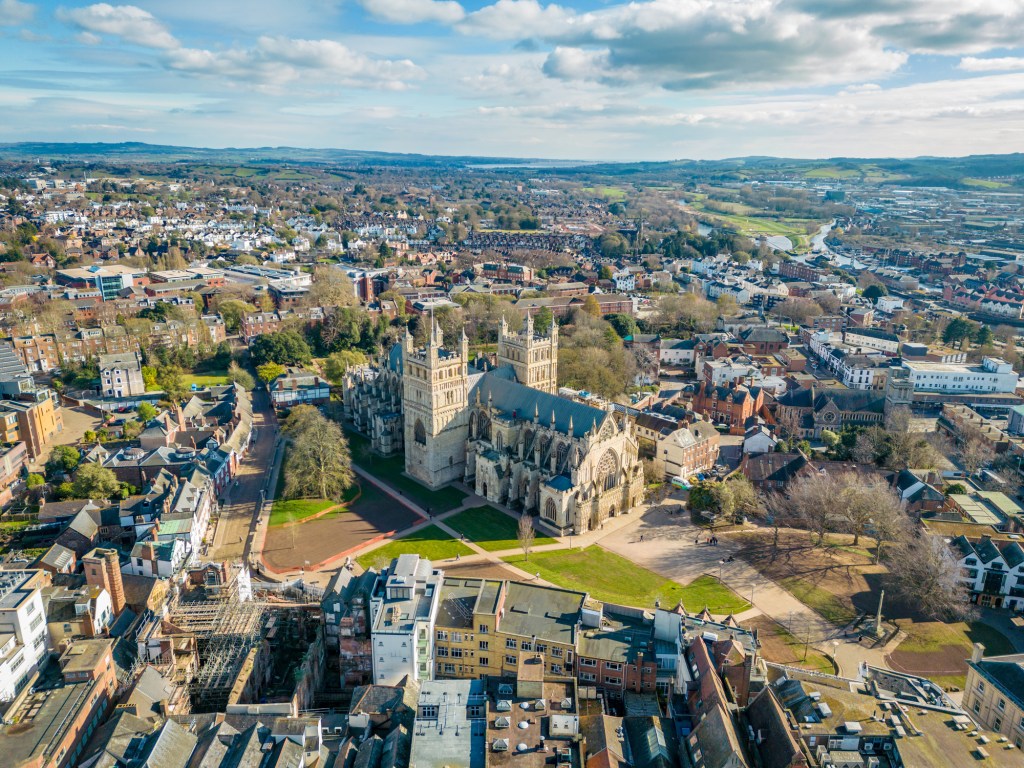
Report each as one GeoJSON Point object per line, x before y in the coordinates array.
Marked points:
{"type": "Point", "coordinates": [275, 61]}
{"type": "Point", "coordinates": [1005, 64]}
{"type": "Point", "coordinates": [570, 63]}
{"type": "Point", "coordinates": [14, 12]}
{"type": "Point", "coordinates": [516, 19]}
{"type": "Point", "coordinates": [127, 22]}
{"type": "Point", "coordinates": [693, 45]}
{"type": "Point", "coordinates": [415, 11]}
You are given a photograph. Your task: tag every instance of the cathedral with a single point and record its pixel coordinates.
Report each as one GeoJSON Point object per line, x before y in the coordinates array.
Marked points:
{"type": "Point", "coordinates": [499, 426]}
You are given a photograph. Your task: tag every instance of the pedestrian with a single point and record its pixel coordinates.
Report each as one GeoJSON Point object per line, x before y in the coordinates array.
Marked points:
{"type": "Point", "coordinates": [641, 537]}
{"type": "Point", "coordinates": [696, 541]}
{"type": "Point", "coordinates": [458, 556]}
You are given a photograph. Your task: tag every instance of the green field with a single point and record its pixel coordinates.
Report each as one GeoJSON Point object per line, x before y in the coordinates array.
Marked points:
{"type": "Point", "coordinates": [831, 172]}
{"type": "Point", "coordinates": [984, 183]}
{"type": "Point", "coordinates": [430, 542]}
{"type": "Point", "coordinates": [491, 529]}
{"type": "Point", "coordinates": [214, 379]}
{"type": "Point", "coordinates": [612, 578]}
{"type": "Point", "coordinates": [390, 471]}
{"type": "Point", "coordinates": [755, 226]}
{"type": "Point", "coordinates": [615, 194]}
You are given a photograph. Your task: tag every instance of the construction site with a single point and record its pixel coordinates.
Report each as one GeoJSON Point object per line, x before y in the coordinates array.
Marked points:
{"type": "Point", "coordinates": [229, 649]}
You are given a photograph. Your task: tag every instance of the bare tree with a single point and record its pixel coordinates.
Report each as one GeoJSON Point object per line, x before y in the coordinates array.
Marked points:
{"type": "Point", "coordinates": [925, 573]}
{"type": "Point", "coordinates": [866, 446]}
{"type": "Point", "coordinates": [797, 310]}
{"type": "Point", "coordinates": [973, 450]}
{"type": "Point", "coordinates": [774, 509]}
{"type": "Point", "coordinates": [889, 524]}
{"type": "Point", "coordinates": [525, 534]}
{"type": "Point", "coordinates": [870, 506]}
{"type": "Point", "coordinates": [332, 288]}
{"type": "Point", "coordinates": [812, 498]}
{"type": "Point", "coordinates": [318, 463]}
{"type": "Point", "coordinates": [905, 447]}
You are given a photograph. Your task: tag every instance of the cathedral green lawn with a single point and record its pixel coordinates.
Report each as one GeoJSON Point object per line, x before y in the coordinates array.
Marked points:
{"type": "Point", "coordinates": [390, 469]}
{"type": "Point", "coordinates": [295, 510]}
{"type": "Point", "coordinates": [292, 510]}
{"type": "Point", "coordinates": [430, 542]}
{"type": "Point", "coordinates": [614, 579]}
{"type": "Point", "coordinates": [491, 529]}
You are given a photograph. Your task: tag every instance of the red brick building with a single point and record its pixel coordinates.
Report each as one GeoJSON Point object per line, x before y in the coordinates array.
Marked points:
{"type": "Point", "coordinates": [731, 405]}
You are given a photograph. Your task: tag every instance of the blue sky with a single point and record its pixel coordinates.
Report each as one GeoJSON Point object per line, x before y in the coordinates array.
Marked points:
{"type": "Point", "coordinates": [648, 79]}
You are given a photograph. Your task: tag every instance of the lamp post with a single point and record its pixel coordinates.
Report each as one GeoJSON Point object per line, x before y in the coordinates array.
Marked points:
{"type": "Point", "coordinates": [721, 564]}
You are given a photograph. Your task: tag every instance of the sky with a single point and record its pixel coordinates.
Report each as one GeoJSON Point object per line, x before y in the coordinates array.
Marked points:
{"type": "Point", "coordinates": [580, 79]}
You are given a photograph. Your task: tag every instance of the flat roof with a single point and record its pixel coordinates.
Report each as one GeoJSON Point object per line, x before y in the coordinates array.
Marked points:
{"type": "Point", "coordinates": [977, 509]}
{"type": "Point", "coordinates": [84, 655]}
{"type": "Point", "coordinates": [449, 739]}
{"type": "Point", "coordinates": [53, 710]}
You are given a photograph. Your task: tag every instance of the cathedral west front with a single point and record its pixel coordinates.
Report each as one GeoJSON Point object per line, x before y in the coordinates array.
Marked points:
{"type": "Point", "coordinates": [499, 427]}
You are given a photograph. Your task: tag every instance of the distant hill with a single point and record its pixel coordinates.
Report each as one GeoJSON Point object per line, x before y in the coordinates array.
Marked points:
{"type": "Point", "coordinates": [987, 172]}
{"type": "Point", "coordinates": [134, 150]}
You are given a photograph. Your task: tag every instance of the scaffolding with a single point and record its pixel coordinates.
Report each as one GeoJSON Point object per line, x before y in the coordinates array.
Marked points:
{"type": "Point", "coordinates": [226, 629]}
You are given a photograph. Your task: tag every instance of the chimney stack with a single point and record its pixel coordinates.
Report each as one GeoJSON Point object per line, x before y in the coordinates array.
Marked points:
{"type": "Point", "coordinates": [103, 569]}
{"type": "Point", "coordinates": [977, 652]}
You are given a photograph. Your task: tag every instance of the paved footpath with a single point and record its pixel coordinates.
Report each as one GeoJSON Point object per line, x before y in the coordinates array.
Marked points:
{"type": "Point", "coordinates": [665, 543]}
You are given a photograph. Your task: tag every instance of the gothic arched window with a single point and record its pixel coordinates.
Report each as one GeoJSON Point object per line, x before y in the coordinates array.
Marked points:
{"type": "Point", "coordinates": [563, 451]}
{"type": "Point", "coordinates": [608, 470]}
{"type": "Point", "coordinates": [419, 433]}
{"type": "Point", "coordinates": [550, 509]}
{"type": "Point", "coordinates": [499, 442]}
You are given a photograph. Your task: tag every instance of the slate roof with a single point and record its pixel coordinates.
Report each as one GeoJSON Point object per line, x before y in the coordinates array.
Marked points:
{"type": "Point", "coordinates": [547, 612]}
{"type": "Point", "coordinates": [762, 334]}
{"type": "Point", "coordinates": [987, 550]}
{"type": "Point", "coordinates": [779, 748]}
{"type": "Point", "coordinates": [171, 748]}
{"type": "Point", "coordinates": [1006, 672]}
{"type": "Point", "coordinates": [845, 399]}
{"type": "Point", "coordinates": [774, 467]}
{"type": "Point", "coordinates": [510, 396]}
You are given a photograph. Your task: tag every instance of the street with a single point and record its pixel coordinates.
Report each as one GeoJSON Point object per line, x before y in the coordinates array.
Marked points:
{"type": "Point", "coordinates": [241, 498]}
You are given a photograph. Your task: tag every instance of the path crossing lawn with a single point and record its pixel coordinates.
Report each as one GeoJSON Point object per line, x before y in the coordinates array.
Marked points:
{"type": "Point", "coordinates": [491, 529]}
{"type": "Point", "coordinates": [390, 469]}
{"type": "Point", "coordinates": [614, 579]}
{"type": "Point", "coordinates": [430, 542]}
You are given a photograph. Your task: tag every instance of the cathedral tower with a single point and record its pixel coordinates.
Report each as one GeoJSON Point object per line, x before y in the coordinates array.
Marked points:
{"type": "Point", "coordinates": [435, 398]}
{"type": "Point", "coordinates": [533, 356]}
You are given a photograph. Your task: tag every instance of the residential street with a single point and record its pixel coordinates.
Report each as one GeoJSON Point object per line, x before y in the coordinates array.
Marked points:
{"type": "Point", "coordinates": [237, 516]}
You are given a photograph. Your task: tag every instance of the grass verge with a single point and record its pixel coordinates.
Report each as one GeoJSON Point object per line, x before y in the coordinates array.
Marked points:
{"type": "Point", "coordinates": [833, 608]}
{"type": "Point", "coordinates": [430, 542]}
{"type": "Point", "coordinates": [491, 529]}
{"type": "Point", "coordinates": [612, 578]}
{"type": "Point", "coordinates": [295, 510]}
{"type": "Point", "coordinates": [390, 469]}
